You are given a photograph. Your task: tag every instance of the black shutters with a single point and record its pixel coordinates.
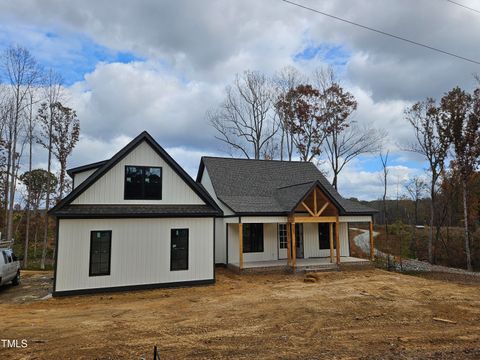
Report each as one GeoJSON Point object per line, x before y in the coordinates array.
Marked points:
{"type": "Point", "coordinates": [179, 249]}
{"type": "Point", "coordinates": [324, 236]}
{"type": "Point", "coordinates": [100, 249]}
{"type": "Point", "coordinates": [252, 238]}
{"type": "Point", "coordinates": [143, 183]}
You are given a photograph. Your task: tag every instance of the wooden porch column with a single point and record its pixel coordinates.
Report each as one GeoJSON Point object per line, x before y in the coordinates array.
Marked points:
{"type": "Point", "coordinates": [294, 247]}
{"type": "Point", "coordinates": [337, 236]}
{"type": "Point", "coordinates": [372, 247]}
{"type": "Point", "coordinates": [240, 246]}
{"type": "Point", "coordinates": [331, 241]}
{"type": "Point", "coordinates": [289, 245]}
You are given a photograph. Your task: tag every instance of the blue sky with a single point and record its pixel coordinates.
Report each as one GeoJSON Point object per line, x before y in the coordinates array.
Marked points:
{"type": "Point", "coordinates": [79, 53]}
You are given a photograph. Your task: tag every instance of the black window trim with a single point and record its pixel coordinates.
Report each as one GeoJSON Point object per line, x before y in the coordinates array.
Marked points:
{"type": "Point", "coordinates": [262, 243]}
{"type": "Point", "coordinates": [143, 185]}
{"type": "Point", "coordinates": [109, 257]}
{"type": "Point", "coordinates": [320, 241]}
{"type": "Point", "coordinates": [188, 249]}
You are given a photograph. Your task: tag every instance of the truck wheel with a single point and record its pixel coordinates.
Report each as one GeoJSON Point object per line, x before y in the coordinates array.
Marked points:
{"type": "Point", "coordinates": [16, 280]}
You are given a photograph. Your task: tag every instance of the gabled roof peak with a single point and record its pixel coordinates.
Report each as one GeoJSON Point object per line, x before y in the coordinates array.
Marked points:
{"type": "Point", "coordinates": [103, 169]}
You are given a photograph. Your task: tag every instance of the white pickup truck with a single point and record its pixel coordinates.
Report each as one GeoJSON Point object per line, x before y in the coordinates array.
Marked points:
{"type": "Point", "coordinates": [9, 267]}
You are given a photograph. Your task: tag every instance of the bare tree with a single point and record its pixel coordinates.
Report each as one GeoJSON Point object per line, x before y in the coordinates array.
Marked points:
{"type": "Point", "coordinates": [22, 73]}
{"type": "Point", "coordinates": [30, 137]}
{"type": "Point", "coordinates": [53, 94]}
{"type": "Point", "coordinates": [66, 132]}
{"type": "Point", "coordinates": [303, 111]}
{"type": "Point", "coordinates": [344, 145]}
{"type": "Point", "coordinates": [286, 80]}
{"type": "Point", "coordinates": [416, 188]}
{"type": "Point", "coordinates": [244, 120]}
{"type": "Point", "coordinates": [432, 143]}
{"type": "Point", "coordinates": [384, 181]}
{"type": "Point", "coordinates": [37, 182]}
{"type": "Point", "coordinates": [461, 114]}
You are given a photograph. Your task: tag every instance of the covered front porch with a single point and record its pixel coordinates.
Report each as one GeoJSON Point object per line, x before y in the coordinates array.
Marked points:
{"type": "Point", "coordinates": [317, 264]}
{"type": "Point", "coordinates": [314, 235]}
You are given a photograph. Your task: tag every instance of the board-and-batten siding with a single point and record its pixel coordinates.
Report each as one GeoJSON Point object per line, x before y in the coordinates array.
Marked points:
{"type": "Point", "coordinates": [270, 245]}
{"type": "Point", "coordinates": [220, 241]}
{"type": "Point", "coordinates": [80, 177]}
{"type": "Point", "coordinates": [207, 184]}
{"type": "Point", "coordinates": [109, 189]}
{"type": "Point", "coordinates": [312, 242]}
{"type": "Point", "coordinates": [140, 252]}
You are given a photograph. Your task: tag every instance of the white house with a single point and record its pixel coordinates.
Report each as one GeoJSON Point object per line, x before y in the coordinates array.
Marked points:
{"type": "Point", "coordinates": [285, 212]}
{"type": "Point", "coordinates": [135, 221]}
{"type": "Point", "coordinates": [138, 220]}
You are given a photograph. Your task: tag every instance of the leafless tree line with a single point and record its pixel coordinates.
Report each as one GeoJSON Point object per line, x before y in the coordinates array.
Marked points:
{"type": "Point", "coordinates": [31, 113]}
{"type": "Point", "coordinates": [293, 116]}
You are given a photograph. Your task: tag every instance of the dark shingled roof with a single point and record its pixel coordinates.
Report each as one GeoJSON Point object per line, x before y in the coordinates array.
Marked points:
{"type": "Point", "coordinates": [251, 187]}
{"type": "Point", "coordinates": [142, 211]}
{"type": "Point", "coordinates": [71, 172]}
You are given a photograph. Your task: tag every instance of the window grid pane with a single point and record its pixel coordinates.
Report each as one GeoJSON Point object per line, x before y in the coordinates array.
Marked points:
{"type": "Point", "coordinates": [100, 246]}
{"type": "Point", "coordinates": [282, 235]}
{"type": "Point", "coordinates": [143, 183]}
{"type": "Point", "coordinates": [179, 249]}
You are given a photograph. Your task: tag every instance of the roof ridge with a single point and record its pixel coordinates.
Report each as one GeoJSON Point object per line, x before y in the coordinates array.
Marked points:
{"type": "Point", "coordinates": [259, 160]}
{"type": "Point", "coordinates": [292, 185]}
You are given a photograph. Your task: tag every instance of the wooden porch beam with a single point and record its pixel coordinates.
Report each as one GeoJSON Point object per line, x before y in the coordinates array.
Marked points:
{"type": "Point", "coordinates": [337, 236]}
{"type": "Point", "coordinates": [289, 243]}
{"type": "Point", "coordinates": [294, 248]}
{"type": "Point", "coordinates": [372, 246]}
{"type": "Point", "coordinates": [316, 219]}
{"type": "Point", "coordinates": [331, 241]}
{"type": "Point", "coordinates": [240, 246]}
{"type": "Point", "coordinates": [308, 209]}
{"type": "Point", "coordinates": [315, 200]}
{"type": "Point", "coordinates": [322, 209]}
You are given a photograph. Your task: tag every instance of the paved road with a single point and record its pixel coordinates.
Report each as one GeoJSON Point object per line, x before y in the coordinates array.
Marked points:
{"type": "Point", "coordinates": [363, 241]}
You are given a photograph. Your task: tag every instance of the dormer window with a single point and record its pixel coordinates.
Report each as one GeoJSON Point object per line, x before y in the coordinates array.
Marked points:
{"type": "Point", "coordinates": [143, 183]}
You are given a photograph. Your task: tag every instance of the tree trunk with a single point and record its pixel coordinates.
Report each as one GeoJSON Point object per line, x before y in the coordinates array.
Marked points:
{"type": "Point", "coordinates": [11, 191]}
{"type": "Point", "coordinates": [29, 198]}
{"type": "Point", "coordinates": [47, 200]}
{"type": "Point", "coordinates": [432, 218]}
{"type": "Point", "coordinates": [35, 236]}
{"type": "Point", "coordinates": [465, 215]}
{"type": "Point", "coordinates": [334, 182]}
{"type": "Point", "coordinates": [7, 185]}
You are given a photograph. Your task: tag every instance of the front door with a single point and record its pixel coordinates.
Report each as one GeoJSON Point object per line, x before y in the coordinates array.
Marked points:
{"type": "Point", "coordinates": [299, 240]}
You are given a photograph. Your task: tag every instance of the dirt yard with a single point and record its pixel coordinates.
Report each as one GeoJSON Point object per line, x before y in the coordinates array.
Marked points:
{"type": "Point", "coordinates": [369, 314]}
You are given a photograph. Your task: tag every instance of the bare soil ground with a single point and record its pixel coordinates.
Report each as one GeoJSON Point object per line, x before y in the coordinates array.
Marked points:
{"type": "Point", "coordinates": [369, 314]}
{"type": "Point", "coordinates": [34, 285]}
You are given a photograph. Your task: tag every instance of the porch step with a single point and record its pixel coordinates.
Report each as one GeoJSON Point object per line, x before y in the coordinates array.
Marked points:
{"type": "Point", "coordinates": [357, 265]}
{"type": "Point", "coordinates": [320, 268]}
